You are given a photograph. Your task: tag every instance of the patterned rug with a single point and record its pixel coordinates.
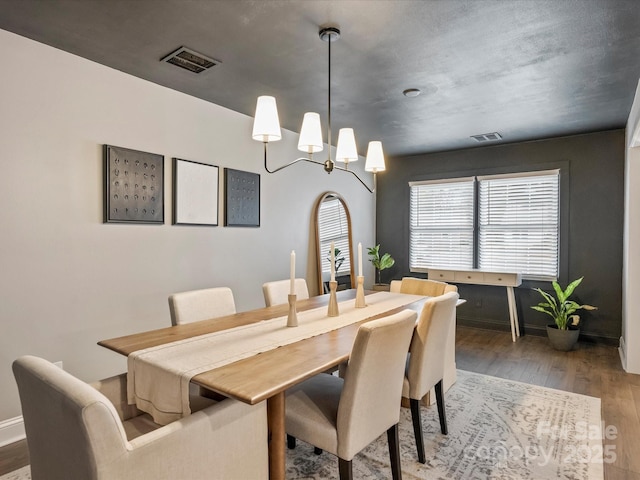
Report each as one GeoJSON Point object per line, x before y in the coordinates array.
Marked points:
{"type": "Point", "coordinates": [498, 429]}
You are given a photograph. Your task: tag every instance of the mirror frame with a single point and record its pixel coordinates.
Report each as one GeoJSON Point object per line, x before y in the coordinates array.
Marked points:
{"type": "Point", "coordinates": [321, 199]}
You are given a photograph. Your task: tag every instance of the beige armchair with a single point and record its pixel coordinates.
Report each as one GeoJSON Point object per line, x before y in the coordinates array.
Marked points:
{"type": "Point", "coordinates": [421, 286]}
{"type": "Point", "coordinates": [277, 292]}
{"type": "Point", "coordinates": [344, 416]}
{"type": "Point", "coordinates": [426, 366]}
{"type": "Point", "coordinates": [196, 305]}
{"type": "Point", "coordinates": [77, 431]}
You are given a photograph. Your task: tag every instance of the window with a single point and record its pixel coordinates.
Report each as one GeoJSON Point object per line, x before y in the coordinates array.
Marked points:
{"type": "Point", "coordinates": [442, 224]}
{"type": "Point", "coordinates": [518, 224]}
{"type": "Point", "coordinates": [498, 222]}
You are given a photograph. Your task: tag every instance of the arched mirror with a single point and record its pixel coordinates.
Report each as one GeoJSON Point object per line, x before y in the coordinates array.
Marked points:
{"type": "Point", "coordinates": [333, 224]}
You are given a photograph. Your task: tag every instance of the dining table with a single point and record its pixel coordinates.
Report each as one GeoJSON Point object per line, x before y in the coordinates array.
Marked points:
{"type": "Point", "coordinates": [266, 376]}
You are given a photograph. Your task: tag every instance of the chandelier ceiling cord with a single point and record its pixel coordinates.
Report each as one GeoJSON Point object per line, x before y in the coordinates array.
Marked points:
{"type": "Point", "coordinates": [266, 128]}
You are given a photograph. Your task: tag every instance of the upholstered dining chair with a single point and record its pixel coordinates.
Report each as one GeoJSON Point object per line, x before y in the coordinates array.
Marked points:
{"type": "Point", "coordinates": [421, 286]}
{"type": "Point", "coordinates": [80, 431]}
{"type": "Point", "coordinates": [277, 292]}
{"type": "Point", "coordinates": [342, 416]}
{"type": "Point", "coordinates": [426, 365]}
{"type": "Point", "coordinates": [196, 305]}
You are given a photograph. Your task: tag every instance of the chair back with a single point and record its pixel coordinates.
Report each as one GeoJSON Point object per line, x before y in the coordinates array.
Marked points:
{"type": "Point", "coordinates": [370, 399]}
{"type": "Point", "coordinates": [196, 305]}
{"type": "Point", "coordinates": [277, 292]}
{"type": "Point", "coordinates": [427, 351]}
{"type": "Point", "coordinates": [421, 286]}
{"type": "Point", "coordinates": [70, 426]}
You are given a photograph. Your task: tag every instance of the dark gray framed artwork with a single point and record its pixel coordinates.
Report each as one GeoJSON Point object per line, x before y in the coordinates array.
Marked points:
{"type": "Point", "coordinates": [242, 198]}
{"type": "Point", "coordinates": [134, 186]}
{"type": "Point", "coordinates": [195, 193]}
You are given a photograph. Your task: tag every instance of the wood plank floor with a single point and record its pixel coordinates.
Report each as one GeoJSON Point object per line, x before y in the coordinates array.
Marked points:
{"type": "Point", "coordinates": [590, 369]}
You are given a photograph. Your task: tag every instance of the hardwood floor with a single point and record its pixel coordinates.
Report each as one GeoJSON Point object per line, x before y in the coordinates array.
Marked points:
{"type": "Point", "coordinates": [13, 456]}
{"type": "Point", "coordinates": [591, 369]}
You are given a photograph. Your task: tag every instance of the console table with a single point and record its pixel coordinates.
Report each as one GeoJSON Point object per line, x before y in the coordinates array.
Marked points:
{"type": "Point", "coordinates": [485, 277]}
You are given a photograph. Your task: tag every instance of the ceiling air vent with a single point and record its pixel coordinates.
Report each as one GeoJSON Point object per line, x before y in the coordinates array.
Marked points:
{"type": "Point", "coordinates": [487, 137]}
{"type": "Point", "coordinates": [189, 60]}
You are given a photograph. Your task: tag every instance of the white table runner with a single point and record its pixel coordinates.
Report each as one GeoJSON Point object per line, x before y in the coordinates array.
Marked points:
{"type": "Point", "coordinates": [158, 378]}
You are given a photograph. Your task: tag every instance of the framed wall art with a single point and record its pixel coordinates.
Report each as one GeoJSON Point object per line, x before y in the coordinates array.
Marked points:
{"type": "Point", "coordinates": [195, 193]}
{"type": "Point", "coordinates": [242, 198]}
{"type": "Point", "coordinates": [134, 186]}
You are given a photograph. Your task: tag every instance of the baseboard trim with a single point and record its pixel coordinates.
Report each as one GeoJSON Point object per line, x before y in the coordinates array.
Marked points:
{"type": "Point", "coordinates": [11, 430]}
{"type": "Point", "coordinates": [536, 330]}
{"type": "Point", "coordinates": [485, 324]}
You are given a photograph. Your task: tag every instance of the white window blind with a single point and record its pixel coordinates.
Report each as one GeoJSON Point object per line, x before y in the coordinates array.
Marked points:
{"type": "Point", "coordinates": [441, 224]}
{"type": "Point", "coordinates": [333, 227]}
{"type": "Point", "coordinates": [518, 223]}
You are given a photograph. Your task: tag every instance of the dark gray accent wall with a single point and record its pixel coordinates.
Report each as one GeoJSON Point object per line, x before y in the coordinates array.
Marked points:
{"type": "Point", "coordinates": [592, 202]}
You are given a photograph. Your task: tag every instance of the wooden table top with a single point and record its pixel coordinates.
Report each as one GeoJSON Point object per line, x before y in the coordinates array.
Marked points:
{"type": "Point", "coordinates": [261, 376]}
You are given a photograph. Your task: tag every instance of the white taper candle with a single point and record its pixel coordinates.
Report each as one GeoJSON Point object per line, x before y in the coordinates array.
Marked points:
{"type": "Point", "coordinates": [359, 259]}
{"type": "Point", "coordinates": [293, 273]}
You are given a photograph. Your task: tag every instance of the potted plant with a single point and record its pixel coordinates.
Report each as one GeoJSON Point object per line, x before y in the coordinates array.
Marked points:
{"type": "Point", "coordinates": [379, 262]}
{"type": "Point", "coordinates": [563, 334]}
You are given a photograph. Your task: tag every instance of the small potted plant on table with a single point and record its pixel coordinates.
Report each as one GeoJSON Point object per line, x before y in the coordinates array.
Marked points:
{"type": "Point", "coordinates": [380, 262]}
{"type": "Point", "coordinates": [563, 334]}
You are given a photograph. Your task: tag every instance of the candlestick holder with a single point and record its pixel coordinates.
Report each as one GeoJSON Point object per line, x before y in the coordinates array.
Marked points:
{"type": "Point", "coordinates": [360, 303]}
{"type": "Point", "coordinates": [292, 318]}
{"type": "Point", "coordinates": [333, 300]}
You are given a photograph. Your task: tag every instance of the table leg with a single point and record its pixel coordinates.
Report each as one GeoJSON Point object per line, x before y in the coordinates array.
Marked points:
{"type": "Point", "coordinates": [275, 415]}
{"type": "Point", "coordinates": [513, 314]}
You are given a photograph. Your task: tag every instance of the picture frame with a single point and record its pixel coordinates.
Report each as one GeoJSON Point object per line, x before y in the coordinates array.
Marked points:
{"type": "Point", "coordinates": [242, 198]}
{"type": "Point", "coordinates": [134, 186]}
{"type": "Point", "coordinates": [195, 193]}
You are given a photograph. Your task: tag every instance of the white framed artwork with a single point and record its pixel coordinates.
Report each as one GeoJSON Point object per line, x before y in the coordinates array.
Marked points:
{"type": "Point", "coordinates": [195, 193]}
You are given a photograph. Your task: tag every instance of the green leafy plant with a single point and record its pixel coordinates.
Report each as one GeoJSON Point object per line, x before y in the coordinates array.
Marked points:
{"type": "Point", "coordinates": [561, 309]}
{"type": "Point", "coordinates": [338, 259]}
{"type": "Point", "coordinates": [379, 262]}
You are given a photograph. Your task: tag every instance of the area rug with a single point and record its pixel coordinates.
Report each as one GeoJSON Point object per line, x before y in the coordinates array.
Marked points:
{"type": "Point", "coordinates": [498, 429]}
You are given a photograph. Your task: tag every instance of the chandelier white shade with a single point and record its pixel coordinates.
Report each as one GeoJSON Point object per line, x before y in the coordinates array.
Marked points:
{"type": "Point", "coordinates": [311, 134]}
{"type": "Point", "coordinates": [346, 150]}
{"type": "Point", "coordinates": [266, 128]}
{"type": "Point", "coordinates": [266, 124]}
{"type": "Point", "coordinates": [375, 158]}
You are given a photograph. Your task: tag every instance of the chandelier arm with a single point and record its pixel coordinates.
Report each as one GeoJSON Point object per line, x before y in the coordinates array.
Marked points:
{"type": "Point", "coordinates": [301, 159]}
{"type": "Point", "coordinates": [359, 179]}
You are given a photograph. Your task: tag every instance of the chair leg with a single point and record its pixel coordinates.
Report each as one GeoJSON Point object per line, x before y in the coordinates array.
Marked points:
{"type": "Point", "coordinates": [417, 429]}
{"type": "Point", "coordinates": [346, 472]}
{"type": "Point", "coordinates": [394, 452]}
{"type": "Point", "coordinates": [441, 412]}
{"type": "Point", "coordinates": [291, 444]}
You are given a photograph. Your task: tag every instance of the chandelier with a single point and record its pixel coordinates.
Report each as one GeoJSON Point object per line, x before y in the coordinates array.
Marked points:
{"type": "Point", "coordinates": [266, 128]}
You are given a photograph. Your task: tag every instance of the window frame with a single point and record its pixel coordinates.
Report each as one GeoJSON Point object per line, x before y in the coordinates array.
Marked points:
{"type": "Point", "coordinates": [563, 169]}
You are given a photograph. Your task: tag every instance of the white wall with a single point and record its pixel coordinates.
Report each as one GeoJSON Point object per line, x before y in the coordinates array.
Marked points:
{"type": "Point", "coordinates": [630, 344]}
{"type": "Point", "coordinates": [67, 280]}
